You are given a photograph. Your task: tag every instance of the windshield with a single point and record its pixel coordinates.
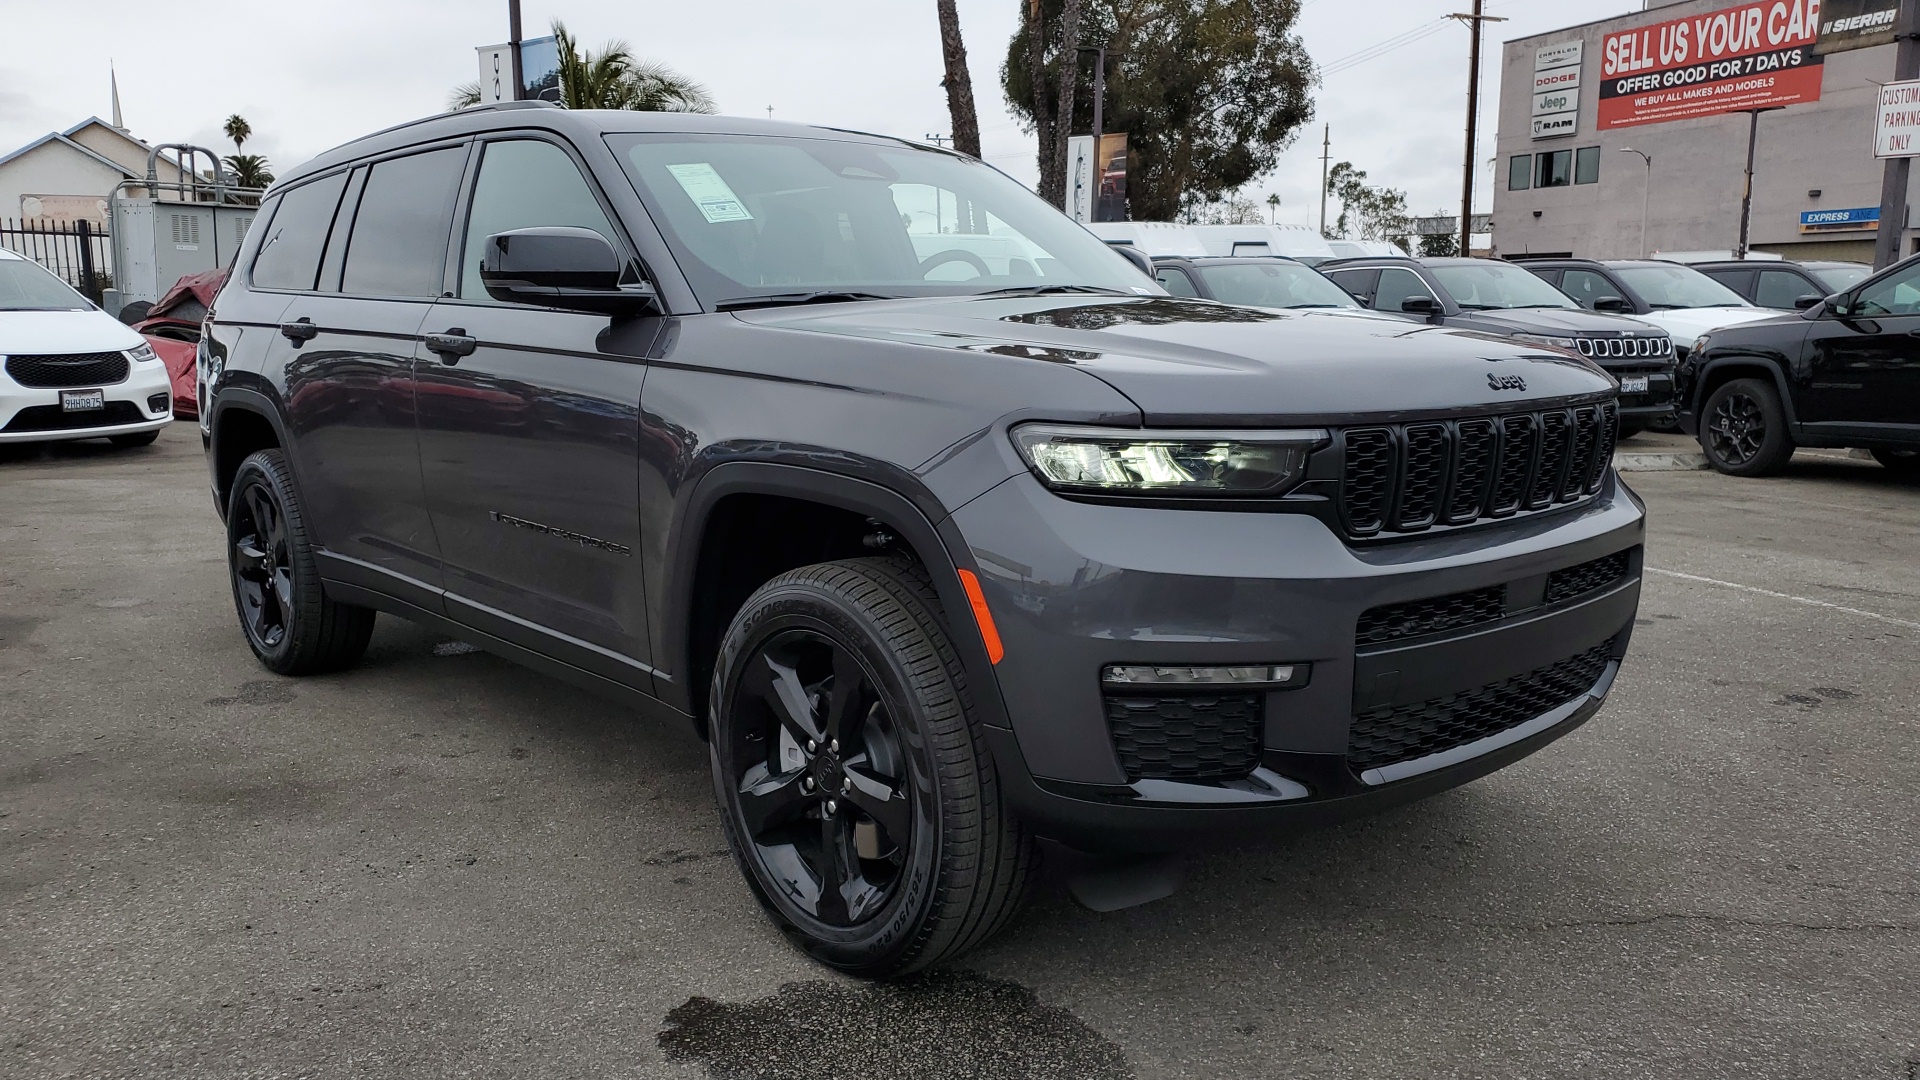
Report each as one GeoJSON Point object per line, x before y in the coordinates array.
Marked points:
{"type": "Point", "coordinates": [1273, 285]}
{"type": "Point", "coordinates": [1482, 286]}
{"type": "Point", "coordinates": [24, 286]}
{"type": "Point", "coordinates": [1665, 287]}
{"type": "Point", "coordinates": [764, 216]}
{"type": "Point", "coordinates": [1839, 278]}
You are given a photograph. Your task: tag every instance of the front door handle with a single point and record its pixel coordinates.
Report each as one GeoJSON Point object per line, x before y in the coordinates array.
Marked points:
{"type": "Point", "coordinates": [301, 329]}
{"type": "Point", "coordinates": [451, 346]}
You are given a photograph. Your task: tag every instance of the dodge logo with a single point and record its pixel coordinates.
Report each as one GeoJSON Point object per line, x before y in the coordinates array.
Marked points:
{"type": "Point", "coordinates": [1506, 382]}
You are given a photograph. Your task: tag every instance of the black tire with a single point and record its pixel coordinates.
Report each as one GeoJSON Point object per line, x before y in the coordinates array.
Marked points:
{"type": "Point", "coordinates": [284, 611]}
{"type": "Point", "coordinates": [1743, 429]}
{"type": "Point", "coordinates": [136, 439]}
{"type": "Point", "coordinates": [134, 312]}
{"type": "Point", "coordinates": [861, 646]}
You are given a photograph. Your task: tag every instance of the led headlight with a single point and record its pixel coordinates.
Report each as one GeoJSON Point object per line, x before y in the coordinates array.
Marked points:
{"type": "Point", "coordinates": [1119, 462]}
{"type": "Point", "coordinates": [141, 353]}
{"type": "Point", "coordinates": [1548, 339]}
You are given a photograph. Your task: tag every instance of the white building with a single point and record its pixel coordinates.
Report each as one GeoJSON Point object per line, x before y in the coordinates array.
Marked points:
{"type": "Point", "coordinates": [68, 175]}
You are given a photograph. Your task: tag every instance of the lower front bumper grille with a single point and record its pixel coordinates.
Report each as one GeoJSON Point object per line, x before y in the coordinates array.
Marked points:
{"type": "Point", "coordinates": [53, 418]}
{"type": "Point", "coordinates": [1386, 736]}
{"type": "Point", "coordinates": [1195, 738]}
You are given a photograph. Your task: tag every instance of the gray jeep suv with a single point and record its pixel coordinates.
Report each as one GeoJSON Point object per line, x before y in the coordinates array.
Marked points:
{"type": "Point", "coordinates": [947, 531]}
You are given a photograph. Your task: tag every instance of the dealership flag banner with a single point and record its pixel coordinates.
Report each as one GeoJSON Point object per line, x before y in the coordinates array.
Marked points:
{"type": "Point", "coordinates": [1753, 56]}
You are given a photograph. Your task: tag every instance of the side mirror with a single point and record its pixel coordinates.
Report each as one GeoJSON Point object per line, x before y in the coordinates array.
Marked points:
{"type": "Point", "coordinates": [1838, 304]}
{"type": "Point", "coordinates": [1134, 255]}
{"type": "Point", "coordinates": [1420, 305]}
{"type": "Point", "coordinates": [1802, 303]}
{"type": "Point", "coordinates": [1615, 304]}
{"type": "Point", "coordinates": [560, 267]}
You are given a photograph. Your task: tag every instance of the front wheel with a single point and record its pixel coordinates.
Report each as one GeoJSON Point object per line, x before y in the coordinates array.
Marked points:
{"type": "Point", "coordinates": [289, 622]}
{"type": "Point", "coordinates": [857, 797]}
{"type": "Point", "coordinates": [1744, 429]}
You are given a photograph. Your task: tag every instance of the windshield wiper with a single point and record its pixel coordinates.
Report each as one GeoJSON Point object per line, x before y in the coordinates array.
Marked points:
{"type": "Point", "coordinates": [1053, 290]}
{"type": "Point", "coordinates": [817, 296]}
{"type": "Point", "coordinates": [1484, 307]}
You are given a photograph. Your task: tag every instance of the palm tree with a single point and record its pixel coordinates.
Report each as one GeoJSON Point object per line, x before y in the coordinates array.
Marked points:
{"type": "Point", "coordinates": [613, 78]}
{"type": "Point", "coordinates": [239, 131]}
{"type": "Point", "coordinates": [249, 170]}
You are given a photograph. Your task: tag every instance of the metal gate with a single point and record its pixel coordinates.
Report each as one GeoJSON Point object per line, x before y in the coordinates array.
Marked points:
{"type": "Point", "coordinates": [75, 250]}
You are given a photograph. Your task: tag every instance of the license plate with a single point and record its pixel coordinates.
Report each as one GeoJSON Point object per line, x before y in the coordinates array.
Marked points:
{"type": "Point", "coordinates": [1633, 384]}
{"type": "Point", "coordinates": [82, 400]}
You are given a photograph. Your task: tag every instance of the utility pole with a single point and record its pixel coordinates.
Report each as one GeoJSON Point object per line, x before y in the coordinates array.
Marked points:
{"type": "Point", "coordinates": [1646, 189]}
{"type": "Point", "coordinates": [1473, 22]}
{"type": "Point", "coordinates": [1326, 153]}
{"type": "Point", "coordinates": [513, 48]}
{"type": "Point", "coordinates": [1746, 192]}
{"type": "Point", "coordinates": [1893, 184]}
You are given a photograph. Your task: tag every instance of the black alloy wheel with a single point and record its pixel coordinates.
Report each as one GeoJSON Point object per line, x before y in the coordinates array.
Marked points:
{"type": "Point", "coordinates": [1744, 429]}
{"type": "Point", "coordinates": [857, 795]}
{"type": "Point", "coordinates": [290, 623]}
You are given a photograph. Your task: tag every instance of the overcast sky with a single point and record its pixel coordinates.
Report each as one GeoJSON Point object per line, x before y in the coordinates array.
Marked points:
{"type": "Point", "coordinates": [308, 76]}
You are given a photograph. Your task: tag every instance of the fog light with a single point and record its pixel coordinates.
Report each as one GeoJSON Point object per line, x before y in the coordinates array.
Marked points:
{"type": "Point", "coordinates": [158, 403]}
{"type": "Point", "coordinates": [1168, 675]}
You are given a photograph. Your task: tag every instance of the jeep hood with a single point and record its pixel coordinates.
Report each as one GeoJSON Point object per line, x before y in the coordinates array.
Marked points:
{"type": "Point", "coordinates": [1685, 324]}
{"type": "Point", "coordinates": [1195, 362]}
{"type": "Point", "coordinates": [1547, 320]}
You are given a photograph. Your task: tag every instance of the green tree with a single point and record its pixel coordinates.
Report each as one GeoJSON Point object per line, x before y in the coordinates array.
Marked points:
{"type": "Point", "coordinates": [248, 170]}
{"type": "Point", "coordinates": [1373, 213]}
{"type": "Point", "coordinates": [239, 131]}
{"type": "Point", "coordinates": [1208, 91]}
{"type": "Point", "coordinates": [612, 78]}
{"type": "Point", "coordinates": [1439, 245]}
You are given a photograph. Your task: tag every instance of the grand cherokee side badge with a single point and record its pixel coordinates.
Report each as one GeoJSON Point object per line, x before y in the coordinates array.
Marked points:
{"type": "Point", "coordinates": [1506, 382]}
{"type": "Point", "coordinates": [562, 534]}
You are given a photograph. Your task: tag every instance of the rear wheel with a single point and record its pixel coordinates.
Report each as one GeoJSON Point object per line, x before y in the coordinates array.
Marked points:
{"type": "Point", "coordinates": [290, 623]}
{"type": "Point", "coordinates": [138, 438]}
{"type": "Point", "coordinates": [1904, 462]}
{"type": "Point", "coordinates": [857, 797]}
{"type": "Point", "coordinates": [1744, 429]}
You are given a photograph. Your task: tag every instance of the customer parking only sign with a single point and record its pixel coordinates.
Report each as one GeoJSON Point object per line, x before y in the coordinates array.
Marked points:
{"type": "Point", "coordinates": [1753, 56]}
{"type": "Point", "coordinates": [1896, 121]}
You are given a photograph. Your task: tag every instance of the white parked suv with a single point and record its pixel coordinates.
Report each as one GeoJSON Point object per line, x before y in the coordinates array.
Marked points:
{"type": "Point", "coordinates": [69, 370]}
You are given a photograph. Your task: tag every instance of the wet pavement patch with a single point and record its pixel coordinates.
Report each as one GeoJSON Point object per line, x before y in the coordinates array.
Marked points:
{"type": "Point", "coordinates": [935, 1026]}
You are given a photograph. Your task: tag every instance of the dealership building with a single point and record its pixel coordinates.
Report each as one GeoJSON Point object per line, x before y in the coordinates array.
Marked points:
{"type": "Point", "coordinates": [1649, 114]}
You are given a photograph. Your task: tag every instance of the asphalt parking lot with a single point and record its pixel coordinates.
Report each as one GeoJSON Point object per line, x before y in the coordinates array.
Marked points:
{"type": "Point", "coordinates": [441, 864]}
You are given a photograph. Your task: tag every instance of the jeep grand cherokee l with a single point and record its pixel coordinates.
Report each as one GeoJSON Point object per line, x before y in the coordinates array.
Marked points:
{"type": "Point", "coordinates": [942, 555]}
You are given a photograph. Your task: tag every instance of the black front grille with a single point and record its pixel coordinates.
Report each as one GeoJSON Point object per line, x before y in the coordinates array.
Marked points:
{"type": "Point", "coordinates": [76, 369]}
{"type": "Point", "coordinates": [51, 418]}
{"type": "Point", "coordinates": [1623, 347]}
{"type": "Point", "coordinates": [1405, 732]}
{"type": "Point", "coordinates": [1190, 737]}
{"type": "Point", "coordinates": [1585, 578]}
{"type": "Point", "coordinates": [1407, 478]}
{"type": "Point", "coordinates": [1436, 614]}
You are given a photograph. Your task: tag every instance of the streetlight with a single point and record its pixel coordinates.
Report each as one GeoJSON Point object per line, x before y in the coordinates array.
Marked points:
{"type": "Point", "coordinates": [1645, 189]}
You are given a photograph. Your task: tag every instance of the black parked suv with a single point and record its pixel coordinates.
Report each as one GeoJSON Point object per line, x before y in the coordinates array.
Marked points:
{"type": "Point", "coordinates": [705, 414]}
{"type": "Point", "coordinates": [1784, 285]}
{"type": "Point", "coordinates": [1494, 297]}
{"type": "Point", "coordinates": [1844, 372]}
{"type": "Point", "coordinates": [1266, 281]}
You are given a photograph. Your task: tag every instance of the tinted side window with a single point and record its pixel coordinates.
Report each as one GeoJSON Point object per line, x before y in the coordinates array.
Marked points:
{"type": "Point", "coordinates": [399, 243]}
{"type": "Point", "coordinates": [1586, 165]}
{"type": "Point", "coordinates": [290, 256]}
{"type": "Point", "coordinates": [1176, 282]}
{"type": "Point", "coordinates": [1740, 281]}
{"type": "Point", "coordinates": [1585, 287]}
{"type": "Point", "coordinates": [1396, 285]}
{"type": "Point", "coordinates": [1555, 169]}
{"type": "Point", "coordinates": [1780, 288]}
{"type": "Point", "coordinates": [1896, 295]}
{"type": "Point", "coordinates": [1357, 283]}
{"type": "Point", "coordinates": [525, 184]}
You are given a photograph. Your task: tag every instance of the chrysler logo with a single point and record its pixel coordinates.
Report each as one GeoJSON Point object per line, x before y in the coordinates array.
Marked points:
{"type": "Point", "coordinates": [1506, 382]}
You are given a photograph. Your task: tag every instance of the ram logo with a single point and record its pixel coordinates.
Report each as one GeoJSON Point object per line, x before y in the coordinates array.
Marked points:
{"type": "Point", "coordinates": [1506, 382]}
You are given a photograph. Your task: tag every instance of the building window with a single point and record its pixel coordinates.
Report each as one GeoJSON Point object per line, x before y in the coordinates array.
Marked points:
{"type": "Point", "coordinates": [1586, 165]}
{"type": "Point", "coordinates": [1520, 172]}
{"type": "Point", "coordinates": [1554, 169]}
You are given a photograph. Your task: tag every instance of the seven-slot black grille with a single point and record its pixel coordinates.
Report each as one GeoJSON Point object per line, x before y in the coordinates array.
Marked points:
{"type": "Point", "coordinates": [1433, 615]}
{"type": "Point", "coordinates": [1585, 578]}
{"type": "Point", "coordinates": [1188, 737]}
{"type": "Point", "coordinates": [1405, 732]}
{"type": "Point", "coordinates": [1405, 478]}
{"type": "Point", "coordinates": [68, 371]}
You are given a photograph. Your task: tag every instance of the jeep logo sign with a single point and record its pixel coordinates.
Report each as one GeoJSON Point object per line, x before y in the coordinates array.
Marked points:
{"type": "Point", "coordinates": [1505, 382]}
{"type": "Point", "coordinates": [1556, 89]}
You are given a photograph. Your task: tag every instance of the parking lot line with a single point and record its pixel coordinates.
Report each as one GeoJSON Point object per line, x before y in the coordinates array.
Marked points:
{"type": "Point", "coordinates": [1786, 596]}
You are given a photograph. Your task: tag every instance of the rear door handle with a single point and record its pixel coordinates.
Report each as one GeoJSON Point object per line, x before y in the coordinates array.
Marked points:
{"type": "Point", "coordinates": [301, 329]}
{"type": "Point", "coordinates": [451, 346]}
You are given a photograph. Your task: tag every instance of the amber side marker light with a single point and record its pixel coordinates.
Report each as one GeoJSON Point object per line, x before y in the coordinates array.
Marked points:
{"type": "Point", "coordinates": [982, 617]}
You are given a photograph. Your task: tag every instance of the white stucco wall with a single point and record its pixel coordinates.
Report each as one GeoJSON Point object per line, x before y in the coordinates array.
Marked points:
{"type": "Point", "coordinates": [53, 168]}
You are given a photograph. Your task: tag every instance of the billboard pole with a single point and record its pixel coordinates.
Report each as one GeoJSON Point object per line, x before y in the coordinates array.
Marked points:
{"type": "Point", "coordinates": [1893, 183]}
{"type": "Point", "coordinates": [513, 48]}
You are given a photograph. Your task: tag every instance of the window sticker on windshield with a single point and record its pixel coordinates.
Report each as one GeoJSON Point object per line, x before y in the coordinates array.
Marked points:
{"type": "Point", "coordinates": [716, 200]}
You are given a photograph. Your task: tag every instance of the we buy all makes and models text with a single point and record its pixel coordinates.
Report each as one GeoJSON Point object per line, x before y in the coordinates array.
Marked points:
{"type": "Point", "coordinates": [1748, 57]}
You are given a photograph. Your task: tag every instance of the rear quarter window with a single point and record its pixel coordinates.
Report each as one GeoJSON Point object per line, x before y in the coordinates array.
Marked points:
{"type": "Point", "coordinates": [399, 241]}
{"type": "Point", "coordinates": [289, 257]}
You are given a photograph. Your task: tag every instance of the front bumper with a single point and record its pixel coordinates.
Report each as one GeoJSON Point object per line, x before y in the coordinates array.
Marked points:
{"type": "Point", "coordinates": [33, 414]}
{"type": "Point", "coordinates": [1074, 586]}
